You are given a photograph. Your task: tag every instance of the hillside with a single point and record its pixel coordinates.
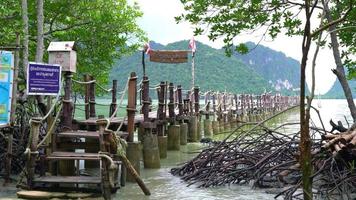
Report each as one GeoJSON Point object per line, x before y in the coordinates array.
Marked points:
{"type": "Point", "coordinates": [213, 70]}
{"type": "Point", "coordinates": [336, 91]}
{"type": "Point", "coordinates": [280, 71]}
{"type": "Point", "coordinates": [261, 69]}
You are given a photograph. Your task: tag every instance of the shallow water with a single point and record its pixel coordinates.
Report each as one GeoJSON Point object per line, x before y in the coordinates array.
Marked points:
{"type": "Point", "coordinates": [164, 186]}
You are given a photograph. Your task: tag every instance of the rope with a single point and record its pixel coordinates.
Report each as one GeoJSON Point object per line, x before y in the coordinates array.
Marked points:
{"type": "Point", "coordinates": [101, 87]}
{"type": "Point", "coordinates": [83, 82]}
{"type": "Point", "coordinates": [52, 127]}
{"type": "Point", "coordinates": [120, 103]}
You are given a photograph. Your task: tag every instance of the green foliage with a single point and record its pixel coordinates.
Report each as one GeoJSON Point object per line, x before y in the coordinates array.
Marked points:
{"type": "Point", "coordinates": [347, 35]}
{"type": "Point", "coordinates": [104, 30]}
{"type": "Point", "coordinates": [213, 70]}
{"type": "Point", "coordinates": [229, 18]}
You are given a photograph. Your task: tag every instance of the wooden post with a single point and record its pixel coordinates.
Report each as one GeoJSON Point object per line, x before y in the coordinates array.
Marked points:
{"type": "Point", "coordinates": [113, 105]}
{"type": "Point", "coordinates": [160, 110]}
{"type": "Point", "coordinates": [151, 156]}
{"type": "Point", "coordinates": [106, 188]}
{"type": "Point", "coordinates": [171, 102]}
{"type": "Point", "coordinates": [196, 101]}
{"type": "Point", "coordinates": [67, 103]}
{"type": "Point", "coordinates": [145, 98]}
{"type": "Point", "coordinates": [87, 96]}
{"type": "Point", "coordinates": [207, 109]}
{"type": "Point", "coordinates": [180, 100]}
{"type": "Point", "coordinates": [34, 137]}
{"type": "Point", "coordinates": [12, 113]}
{"type": "Point", "coordinates": [66, 167]}
{"type": "Point", "coordinates": [131, 106]}
{"type": "Point", "coordinates": [92, 112]}
{"type": "Point", "coordinates": [165, 99]}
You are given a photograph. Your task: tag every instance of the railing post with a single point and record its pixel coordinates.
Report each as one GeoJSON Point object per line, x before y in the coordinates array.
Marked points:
{"type": "Point", "coordinates": [171, 103]}
{"type": "Point", "coordinates": [106, 188]}
{"type": "Point", "coordinates": [196, 101]}
{"type": "Point", "coordinates": [160, 110]}
{"type": "Point", "coordinates": [92, 112]}
{"type": "Point", "coordinates": [67, 101]}
{"type": "Point", "coordinates": [131, 106]}
{"type": "Point", "coordinates": [87, 96]}
{"type": "Point", "coordinates": [145, 98]}
{"type": "Point", "coordinates": [113, 105]}
{"type": "Point", "coordinates": [34, 137]}
{"type": "Point", "coordinates": [180, 100]}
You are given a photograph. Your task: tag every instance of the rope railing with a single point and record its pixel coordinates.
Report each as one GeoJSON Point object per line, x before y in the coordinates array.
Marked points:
{"type": "Point", "coordinates": [90, 82]}
{"type": "Point", "coordinates": [119, 105]}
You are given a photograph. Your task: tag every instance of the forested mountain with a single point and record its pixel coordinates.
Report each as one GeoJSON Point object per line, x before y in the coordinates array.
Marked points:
{"type": "Point", "coordinates": [214, 70]}
{"type": "Point", "coordinates": [336, 91]}
{"type": "Point", "coordinates": [280, 71]}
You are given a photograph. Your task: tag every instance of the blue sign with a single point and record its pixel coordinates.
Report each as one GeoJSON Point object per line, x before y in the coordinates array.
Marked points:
{"type": "Point", "coordinates": [6, 78]}
{"type": "Point", "coordinates": [43, 79]}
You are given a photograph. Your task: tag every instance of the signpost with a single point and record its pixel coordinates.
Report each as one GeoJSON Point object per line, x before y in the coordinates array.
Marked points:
{"type": "Point", "coordinates": [6, 81]}
{"type": "Point", "coordinates": [43, 79]}
{"type": "Point", "coordinates": [169, 56]}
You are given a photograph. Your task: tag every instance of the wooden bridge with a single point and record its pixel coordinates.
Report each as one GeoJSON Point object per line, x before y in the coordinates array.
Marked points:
{"type": "Point", "coordinates": [107, 146]}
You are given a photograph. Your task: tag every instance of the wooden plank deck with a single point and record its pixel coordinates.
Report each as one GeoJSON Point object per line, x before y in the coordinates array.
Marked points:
{"type": "Point", "coordinates": [58, 155]}
{"type": "Point", "coordinates": [79, 134]}
{"type": "Point", "coordinates": [69, 179]}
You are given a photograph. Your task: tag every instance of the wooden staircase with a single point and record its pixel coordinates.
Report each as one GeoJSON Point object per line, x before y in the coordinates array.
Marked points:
{"type": "Point", "coordinates": [67, 150]}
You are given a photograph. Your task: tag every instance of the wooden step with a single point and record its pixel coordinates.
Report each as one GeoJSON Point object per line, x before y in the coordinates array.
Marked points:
{"type": "Point", "coordinates": [79, 134]}
{"type": "Point", "coordinates": [68, 179]}
{"type": "Point", "coordinates": [59, 155]}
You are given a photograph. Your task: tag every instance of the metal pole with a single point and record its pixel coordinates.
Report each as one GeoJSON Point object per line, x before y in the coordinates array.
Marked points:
{"type": "Point", "coordinates": [193, 73]}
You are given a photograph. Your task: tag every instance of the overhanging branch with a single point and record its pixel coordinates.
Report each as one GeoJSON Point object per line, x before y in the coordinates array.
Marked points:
{"type": "Point", "coordinates": [326, 26]}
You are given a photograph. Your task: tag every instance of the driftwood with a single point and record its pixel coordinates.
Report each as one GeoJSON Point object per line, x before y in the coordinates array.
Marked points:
{"type": "Point", "coordinates": [267, 158]}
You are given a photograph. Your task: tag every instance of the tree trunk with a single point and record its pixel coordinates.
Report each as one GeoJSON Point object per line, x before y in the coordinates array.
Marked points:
{"type": "Point", "coordinates": [25, 38]}
{"type": "Point", "coordinates": [40, 19]}
{"type": "Point", "coordinates": [39, 49]}
{"type": "Point", "coordinates": [305, 142]}
{"type": "Point", "coordinates": [339, 71]}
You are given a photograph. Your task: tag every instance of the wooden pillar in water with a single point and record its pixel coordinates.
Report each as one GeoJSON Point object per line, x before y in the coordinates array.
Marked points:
{"type": "Point", "coordinates": [151, 155]}
{"type": "Point", "coordinates": [162, 139]}
{"type": "Point", "coordinates": [173, 129]}
{"type": "Point", "coordinates": [196, 111]}
{"type": "Point", "coordinates": [133, 148]}
{"type": "Point", "coordinates": [183, 125]}
{"type": "Point", "coordinates": [131, 106]}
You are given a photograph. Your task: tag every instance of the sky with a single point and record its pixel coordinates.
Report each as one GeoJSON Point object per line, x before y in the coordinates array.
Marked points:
{"type": "Point", "coordinates": [159, 24]}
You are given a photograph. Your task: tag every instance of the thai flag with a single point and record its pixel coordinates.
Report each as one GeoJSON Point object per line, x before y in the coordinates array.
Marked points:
{"type": "Point", "coordinates": [192, 45]}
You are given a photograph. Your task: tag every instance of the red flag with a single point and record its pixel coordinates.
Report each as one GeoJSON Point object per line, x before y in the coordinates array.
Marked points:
{"type": "Point", "coordinates": [192, 45]}
{"type": "Point", "coordinates": [148, 48]}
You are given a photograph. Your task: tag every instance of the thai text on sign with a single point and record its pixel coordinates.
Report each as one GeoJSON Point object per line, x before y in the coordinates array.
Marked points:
{"type": "Point", "coordinates": [43, 79]}
{"type": "Point", "coordinates": [169, 56]}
